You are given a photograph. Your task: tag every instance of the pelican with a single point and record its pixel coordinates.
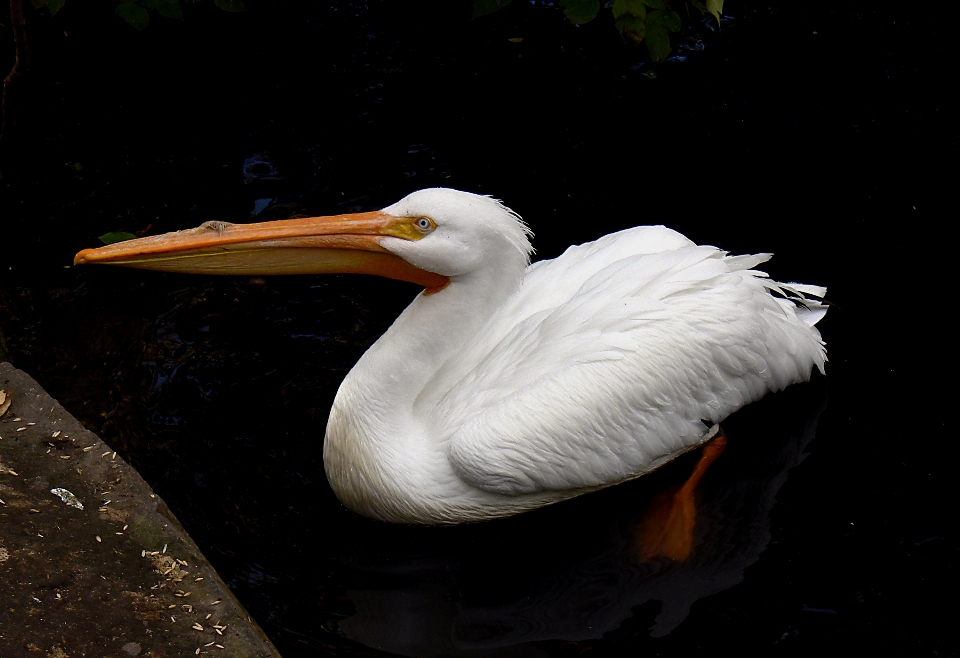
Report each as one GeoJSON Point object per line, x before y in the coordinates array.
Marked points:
{"type": "Point", "coordinates": [506, 386]}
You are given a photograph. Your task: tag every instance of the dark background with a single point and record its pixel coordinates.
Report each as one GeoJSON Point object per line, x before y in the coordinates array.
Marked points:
{"type": "Point", "coordinates": [820, 133]}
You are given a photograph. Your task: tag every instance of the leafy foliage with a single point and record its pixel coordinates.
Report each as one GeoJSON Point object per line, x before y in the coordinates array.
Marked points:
{"type": "Point", "coordinates": [169, 9]}
{"type": "Point", "coordinates": [136, 13]}
{"type": "Point", "coordinates": [484, 7]}
{"type": "Point", "coordinates": [714, 7]}
{"type": "Point", "coordinates": [116, 236]}
{"type": "Point", "coordinates": [580, 11]}
{"type": "Point", "coordinates": [660, 23]}
{"type": "Point", "coordinates": [646, 21]}
{"type": "Point", "coordinates": [53, 5]}
{"type": "Point", "coordinates": [231, 5]}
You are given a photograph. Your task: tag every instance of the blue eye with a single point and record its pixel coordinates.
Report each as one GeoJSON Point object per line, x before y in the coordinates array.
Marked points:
{"type": "Point", "coordinates": [424, 224]}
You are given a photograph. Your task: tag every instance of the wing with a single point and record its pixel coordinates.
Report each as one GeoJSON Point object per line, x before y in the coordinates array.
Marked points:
{"type": "Point", "coordinates": [609, 358]}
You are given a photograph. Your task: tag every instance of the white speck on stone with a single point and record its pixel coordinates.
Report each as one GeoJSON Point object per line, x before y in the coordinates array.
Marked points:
{"type": "Point", "coordinates": [67, 497]}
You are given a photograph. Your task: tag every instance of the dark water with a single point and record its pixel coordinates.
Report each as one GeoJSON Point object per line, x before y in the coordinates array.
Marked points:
{"type": "Point", "coordinates": [821, 134]}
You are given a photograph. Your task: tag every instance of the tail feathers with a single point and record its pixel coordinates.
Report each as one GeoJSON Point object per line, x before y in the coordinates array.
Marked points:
{"type": "Point", "coordinates": [807, 301]}
{"type": "Point", "coordinates": [811, 316]}
{"type": "Point", "coordinates": [747, 262]}
{"type": "Point", "coordinates": [814, 291]}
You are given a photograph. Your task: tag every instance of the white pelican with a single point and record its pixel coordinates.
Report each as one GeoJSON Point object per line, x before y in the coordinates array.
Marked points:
{"type": "Point", "coordinates": [507, 386]}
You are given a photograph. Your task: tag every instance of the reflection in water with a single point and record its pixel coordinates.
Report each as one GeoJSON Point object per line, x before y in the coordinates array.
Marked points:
{"type": "Point", "coordinates": [564, 573]}
{"type": "Point", "coordinates": [668, 526]}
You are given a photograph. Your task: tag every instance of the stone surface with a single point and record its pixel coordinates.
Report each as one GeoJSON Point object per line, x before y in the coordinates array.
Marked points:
{"type": "Point", "coordinates": [119, 577]}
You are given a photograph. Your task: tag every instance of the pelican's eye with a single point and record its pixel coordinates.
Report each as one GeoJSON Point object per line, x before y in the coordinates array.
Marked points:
{"type": "Point", "coordinates": [425, 224]}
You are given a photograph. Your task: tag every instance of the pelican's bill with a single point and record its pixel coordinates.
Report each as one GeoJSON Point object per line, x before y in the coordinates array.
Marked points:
{"type": "Point", "coordinates": [345, 244]}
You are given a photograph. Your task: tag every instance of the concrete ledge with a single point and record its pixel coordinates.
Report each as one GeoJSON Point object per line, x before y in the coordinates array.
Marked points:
{"type": "Point", "coordinates": [119, 577]}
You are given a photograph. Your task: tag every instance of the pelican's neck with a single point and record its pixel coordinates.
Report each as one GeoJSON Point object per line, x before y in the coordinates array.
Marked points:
{"type": "Point", "coordinates": [380, 459]}
{"type": "Point", "coordinates": [431, 331]}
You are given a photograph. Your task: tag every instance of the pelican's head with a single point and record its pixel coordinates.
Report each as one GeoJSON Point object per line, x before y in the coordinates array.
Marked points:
{"type": "Point", "coordinates": [463, 232]}
{"type": "Point", "coordinates": [427, 238]}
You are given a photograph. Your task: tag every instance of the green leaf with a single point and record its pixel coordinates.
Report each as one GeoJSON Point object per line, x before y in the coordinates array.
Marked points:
{"type": "Point", "coordinates": [715, 7]}
{"type": "Point", "coordinates": [133, 14]}
{"type": "Point", "coordinates": [668, 20]}
{"type": "Point", "coordinates": [632, 23]}
{"type": "Point", "coordinates": [671, 21]}
{"type": "Point", "coordinates": [170, 9]}
{"type": "Point", "coordinates": [629, 8]}
{"type": "Point", "coordinates": [632, 27]}
{"type": "Point", "coordinates": [116, 236]}
{"type": "Point", "coordinates": [484, 7]}
{"type": "Point", "coordinates": [230, 5]}
{"type": "Point", "coordinates": [580, 11]}
{"type": "Point", "coordinates": [658, 42]}
{"type": "Point", "coordinates": [654, 4]}
{"type": "Point", "coordinates": [53, 5]}
{"type": "Point", "coordinates": [659, 25]}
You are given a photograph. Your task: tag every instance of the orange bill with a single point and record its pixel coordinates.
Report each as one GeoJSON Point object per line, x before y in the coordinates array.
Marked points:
{"type": "Point", "coordinates": [345, 244]}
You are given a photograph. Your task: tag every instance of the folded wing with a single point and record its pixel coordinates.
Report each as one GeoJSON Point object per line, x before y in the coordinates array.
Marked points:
{"type": "Point", "coordinates": [608, 360]}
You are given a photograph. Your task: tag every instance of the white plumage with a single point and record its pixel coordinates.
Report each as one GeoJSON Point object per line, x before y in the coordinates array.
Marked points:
{"type": "Point", "coordinates": [517, 386]}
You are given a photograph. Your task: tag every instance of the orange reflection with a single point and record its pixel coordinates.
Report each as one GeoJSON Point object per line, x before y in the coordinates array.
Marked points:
{"type": "Point", "coordinates": [666, 529]}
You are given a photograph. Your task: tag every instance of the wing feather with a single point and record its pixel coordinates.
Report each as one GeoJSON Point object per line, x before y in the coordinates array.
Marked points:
{"type": "Point", "coordinates": [609, 358]}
